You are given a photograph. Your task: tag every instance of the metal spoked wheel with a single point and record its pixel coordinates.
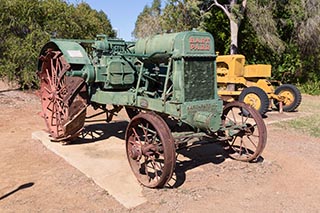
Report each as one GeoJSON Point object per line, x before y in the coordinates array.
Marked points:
{"type": "Point", "coordinates": [63, 98]}
{"type": "Point", "coordinates": [150, 149]}
{"type": "Point", "coordinates": [245, 133]}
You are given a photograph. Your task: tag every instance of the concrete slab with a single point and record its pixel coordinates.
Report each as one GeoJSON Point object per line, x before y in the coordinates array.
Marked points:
{"type": "Point", "coordinates": [103, 159]}
{"type": "Point", "coordinates": [100, 155]}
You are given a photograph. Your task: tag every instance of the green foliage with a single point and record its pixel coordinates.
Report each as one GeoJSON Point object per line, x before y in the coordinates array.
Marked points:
{"type": "Point", "coordinates": [218, 26]}
{"type": "Point", "coordinates": [182, 15]}
{"type": "Point", "coordinates": [26, 25]}
{"type": "Point", "coordinates": [148, 21]}
{"type": "Point", "coordinates": [177, 16]}
{"type": "Point", "coordinates": [260, 16]}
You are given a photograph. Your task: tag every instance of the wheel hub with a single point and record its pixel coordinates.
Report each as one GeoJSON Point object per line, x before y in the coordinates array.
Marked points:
{"type": "Point", "coordinates": [136, 153]}
{"type": "Point", "coordinates": [253, 100]}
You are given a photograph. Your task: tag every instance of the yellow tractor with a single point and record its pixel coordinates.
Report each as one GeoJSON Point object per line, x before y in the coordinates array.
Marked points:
{"type": "Point", "coordinates": [251, 84]}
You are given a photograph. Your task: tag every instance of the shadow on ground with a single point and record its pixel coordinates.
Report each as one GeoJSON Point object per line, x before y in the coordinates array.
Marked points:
{"type": "Point", "coordinates": [24, 186]}
{"type": "Point", "coordinates": [188, 158]}
{"type": "Point", "coordinates": [101, 131]}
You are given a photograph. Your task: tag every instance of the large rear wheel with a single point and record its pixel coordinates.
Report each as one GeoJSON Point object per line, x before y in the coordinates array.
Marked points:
{"type": "Point", "coordinates": [63, 98]}
{"type": "Point", "coordinates": [150, 149]}
{"type": "Point", "coordinates": [245, 134]}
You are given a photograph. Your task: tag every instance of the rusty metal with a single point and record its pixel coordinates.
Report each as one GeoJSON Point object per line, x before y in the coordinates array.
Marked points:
{"type": "Point", "coordinates": [63, 98]}
{"type": "Point", "coordinates": [245, 133]}
{"type": "Point", "coordinates": [150, 149]}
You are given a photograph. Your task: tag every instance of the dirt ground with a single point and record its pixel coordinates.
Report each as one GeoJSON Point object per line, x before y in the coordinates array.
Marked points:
{"type": "Point", "coordinates": [33, 179]}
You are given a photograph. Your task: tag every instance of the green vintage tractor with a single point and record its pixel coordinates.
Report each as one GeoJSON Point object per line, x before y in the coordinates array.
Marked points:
{"type": "Point", "coordinates": [252, 85]}
{"type": "Point", "coordinates": [168, 85]}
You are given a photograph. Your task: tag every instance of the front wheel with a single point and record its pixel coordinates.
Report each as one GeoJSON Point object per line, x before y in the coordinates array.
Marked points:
{"type": "Point", "coordinates": [150, 150]}
{"type": "Point", "coordinates": [255, 97]}
{"type": "Point", "coordinates": [245, 134]}
{"type": "Point", "coordinates": [291, 97]}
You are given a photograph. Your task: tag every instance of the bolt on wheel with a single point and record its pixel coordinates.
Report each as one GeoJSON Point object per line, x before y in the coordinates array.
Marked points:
{"type": "Point", "coordinates": [150, 150]}
{"type": "Point", "coordinates": [245, 133]}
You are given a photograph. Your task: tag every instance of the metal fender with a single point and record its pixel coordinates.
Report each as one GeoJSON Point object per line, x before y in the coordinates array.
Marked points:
{"type": "Point", "coordinates": [73, 52]}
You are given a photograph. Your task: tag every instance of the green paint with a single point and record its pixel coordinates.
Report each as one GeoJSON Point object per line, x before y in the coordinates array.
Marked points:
{"type": "Point", "coordinates": [174, 74]}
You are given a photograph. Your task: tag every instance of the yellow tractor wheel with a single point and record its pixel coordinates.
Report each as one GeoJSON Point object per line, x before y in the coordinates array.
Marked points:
{"type": "Point", "coordinates": [255, 97]}
{"type": "Point", "coordinates": [291, 97]}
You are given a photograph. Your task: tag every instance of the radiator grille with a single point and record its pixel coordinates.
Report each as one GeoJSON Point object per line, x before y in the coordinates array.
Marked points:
{"type": "Point", "coordinates": [199, 79]}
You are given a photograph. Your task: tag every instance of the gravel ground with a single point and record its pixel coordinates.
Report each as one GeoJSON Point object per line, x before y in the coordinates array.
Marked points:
{"type": "Point", "coordinates": [33, 179]}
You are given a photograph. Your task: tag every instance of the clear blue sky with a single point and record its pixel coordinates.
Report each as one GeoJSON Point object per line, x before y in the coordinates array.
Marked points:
{"type": "Point", "coordinates": [122, 13]}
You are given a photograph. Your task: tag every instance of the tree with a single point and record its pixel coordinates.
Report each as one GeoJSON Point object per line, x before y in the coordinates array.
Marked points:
{"type": "Point", "coordinates": [261, 16]}
{"type": "Point", "coordinates": [235, 13]}
{"type": "Point", "coordinates": [291, 29]}
{"type": "Point", "coordinates": [182, 15]}
{"type": "Point", "coordinates": [177, 15]}
{"type": "Point", "coordinates": [148, 22]}
{"type": "Point", "coordinates": [27, 25]}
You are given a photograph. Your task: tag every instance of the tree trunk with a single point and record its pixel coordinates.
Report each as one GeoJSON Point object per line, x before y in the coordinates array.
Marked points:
{"type": "Point", "coordinates": [234, 21]}
{"type": "Point", "coordinates": [234, 29]}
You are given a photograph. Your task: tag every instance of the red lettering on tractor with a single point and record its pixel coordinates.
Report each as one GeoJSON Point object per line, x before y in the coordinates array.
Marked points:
{"type": "Point", "coordinates": [199, 43]}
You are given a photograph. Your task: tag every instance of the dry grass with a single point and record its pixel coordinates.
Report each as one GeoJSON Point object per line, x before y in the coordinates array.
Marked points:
{"type": "Point", "coordinates": [309, 124]}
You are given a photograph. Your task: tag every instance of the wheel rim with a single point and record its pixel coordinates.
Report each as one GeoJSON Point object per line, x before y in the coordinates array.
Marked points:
{"type": "Point", "coordinates": [253, 100]}
{"type": "Point", "coordinates": [62, 98]}
{"type": "Point", "coordinates": [288, 97]}
{"type": "Point", "coordinates": [246, 134]}
{"type": "Point", "coordinates": [150, 150]}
